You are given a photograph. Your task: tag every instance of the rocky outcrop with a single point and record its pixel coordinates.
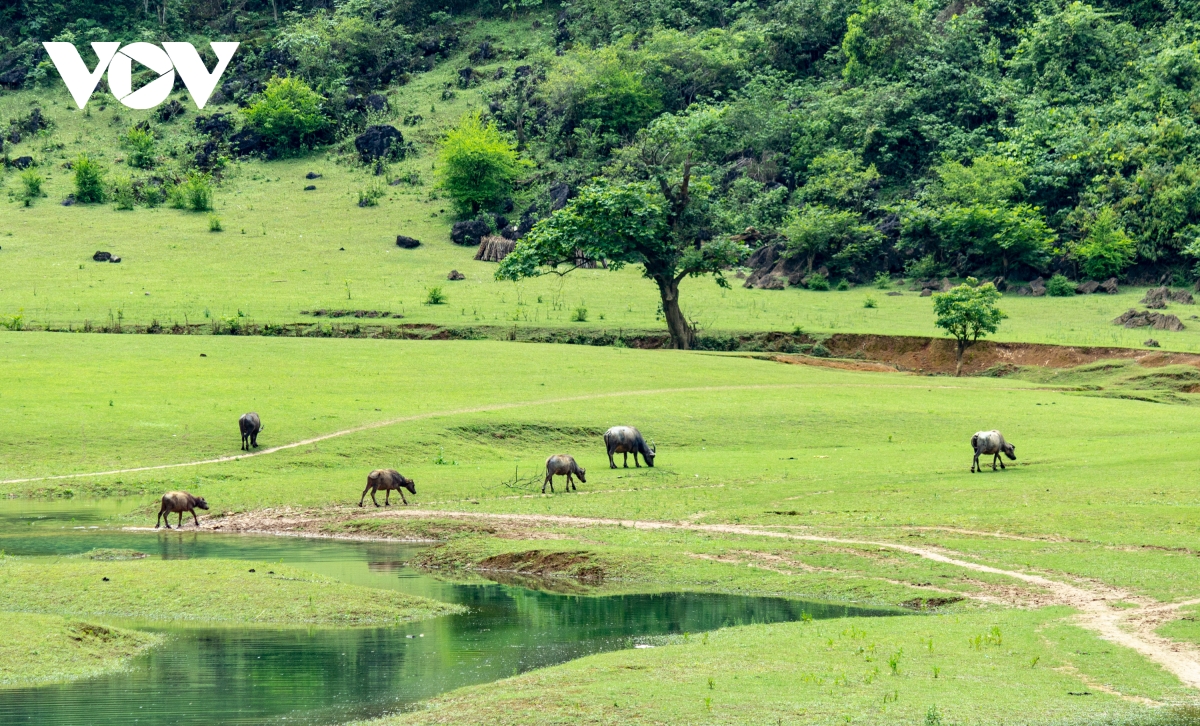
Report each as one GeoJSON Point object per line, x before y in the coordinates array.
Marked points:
{"type": "Point", "coordinates": [773, 270]}
{"type": "Point", "coordinates": [407, 243]}
{"type": "Point", "coordinates": [470, 232]}
{"type": "Point", "coordinates": [1158, 297]}
{"type": "Point", "coordinates": [379, 142]}
{"type": "Point", "coordinates": [455, 275]}
{"type": "Point", "coordinates": [1147, 319]}
{"type": "Point", "coordinates": [1110, 286]}
{"type": "Point", "coordinates": [1087, 288]}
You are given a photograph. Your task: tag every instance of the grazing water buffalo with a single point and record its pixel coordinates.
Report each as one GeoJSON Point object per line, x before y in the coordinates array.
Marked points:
{"type": "Point", "coordinates": [627, 440]}
{"type": "Point", "coordinates": [991, 442]}
{"type": "Point", "coordinates": [387, 480]}
{"type": "Point", "coordinates": [179, 502]}
{"type": "Point", "coordinates": [250, 424]}
{"type": "Point", "coordinates": [562, 465]}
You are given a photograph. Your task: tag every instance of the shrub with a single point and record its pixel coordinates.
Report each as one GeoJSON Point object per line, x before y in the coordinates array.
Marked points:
{"type": "Point", "coordinates": [31, 186]}
{"type": "Point", "coordinates": [883, 280]}
{"type": "Point", "coordinates": [579, 315]}
{"type": "Point", "coordinates": [214, 223]}
{"type": "Point", "coordinates": [122, 193]}
{"type": "Point", "coordinates": [288, 113]}
{"type": "Point", "coordinates": [1107, 250]}
{"type": "Point", "coordinates": [477, 165]}
{"type": "Point", "coordinates": [140, 143]}
{"type": "Point", "coordinates": [843, 285]}
{"type": "Point", "coordinates": [924, 268]}
{"type": "Point", "coordinates": [152, 195]}
{"type": "Point", "coordinates": [434, 296]}
{"type": "Point", "coordinates": [370, 196]}
{"type": "Point", "coordinates": [194, 193]}
{"type": "Point", "coordinates": [869, 302]}
{"type": "Point", "coordinates": [89, 180]}
{"type": "Point", "coordinates": [817, 281]}
{"type": "Point", "coordinates": [1060, 286]}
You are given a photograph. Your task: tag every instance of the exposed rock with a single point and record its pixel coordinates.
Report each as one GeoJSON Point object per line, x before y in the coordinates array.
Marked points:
{"type": "Point", "coordinates": [407, 243]}
{"type": "Point", "coordinates": [13, 77]}
{"type": "Point", "coordinates": [219, 125]}
{"type": "Point", "coordinates": [1145, 318]}
{"type": "Point", "coordinates": [470, 232]}
{"type": "Point", "coordinates": [523, 71]}
{"type": "Point", "coordinates": [102, 256]}
{"type": "Point", "coordinates": [1087, 288]}
{"type": "Point", "coordinates": [894, 293]}
{"type": "Point", "coordinates": [927, 292]}
{"type": "Point", "coordinates": [1022, 290]}
{"type": "Point", "coordinates": [455, 275]}
{"type": "Point", "coordinates": [376, 102]}
{"type": "Point", "coordinates": [559, 194]}
{"type": "Point", "coordinates": [1038, 287]}
{"type": "Point", "coordinates": [310, 188]}
{"type": "Point", "coordinates": [23, 162]}
{"type": "Point", "coordinates": [68, 200]}
{"type": "Point", "coordinates": [509, 232]}
{"type": "Point", "coordinates": [247, 142]}
{"type": "Point", "coordinates": [1109, 286]}
{"type": "Point", "coordinates": [169, 111]}
{"type": "Point", "coordinates": [484, 52]}
{"type": "Point", "coordinates": [1158, 297]}
{"type": "Point", "coordinates": [468, 77]}
{"type": "Point", "coordinates": [772, 270]}
{"type": "Point", "coordinates": [312, 175]}
{"type": "Point", "coordinates": [114, 259]}
{"type": "Point", "coordinates": [945, 285]}
{"type": "Point", "coordinates": [1000, 283]}
{"type": "Point", "coordinates": [499, 74]}
{"type": "Point", "coordinates": [1151, 343]}
{"type": "Point", "coordinates": [379, 142]}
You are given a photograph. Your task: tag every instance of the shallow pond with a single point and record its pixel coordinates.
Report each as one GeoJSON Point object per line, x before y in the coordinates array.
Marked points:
{"type": "Point", "coordinates": [322, 676]}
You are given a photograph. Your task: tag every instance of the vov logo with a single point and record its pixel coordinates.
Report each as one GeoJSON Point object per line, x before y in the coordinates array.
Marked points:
{"type": "Point", "coordinates": [164, 61]}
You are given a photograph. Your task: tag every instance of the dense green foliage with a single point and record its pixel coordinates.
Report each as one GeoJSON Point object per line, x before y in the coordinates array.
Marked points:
{"type": "Point", "coordinates": [477, 165]}
{"type": "Point", "coordinates": [89, 180]}
{"type": "Point", "coordinates": [288, 113]}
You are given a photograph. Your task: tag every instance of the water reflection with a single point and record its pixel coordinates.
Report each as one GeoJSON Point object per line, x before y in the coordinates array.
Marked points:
{"type": "Point", "coordinates": [243, 676]}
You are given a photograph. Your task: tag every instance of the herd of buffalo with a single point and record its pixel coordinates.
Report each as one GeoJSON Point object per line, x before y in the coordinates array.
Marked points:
{"type": "Point", "coordinates": [624, 440]}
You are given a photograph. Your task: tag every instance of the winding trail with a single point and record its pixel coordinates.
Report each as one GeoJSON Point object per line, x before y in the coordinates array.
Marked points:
{"type": "Point", "coordinates": [1097, 606]}
{"type": "Point", "coordinates": [456, 412]}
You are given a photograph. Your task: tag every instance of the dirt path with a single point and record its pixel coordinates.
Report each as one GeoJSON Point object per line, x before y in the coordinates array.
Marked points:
{"type": "Point", "coordinates": [457, 412]}
{"type": "Point", "coordinates": [1102, 609]}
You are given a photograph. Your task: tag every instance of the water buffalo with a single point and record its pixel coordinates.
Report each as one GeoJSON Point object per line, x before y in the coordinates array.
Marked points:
{"type": "Point", "coordinates": [991, 442]}
{"type": "Point", "coordinates": [250, 424]}
{"type": "Point", "coordinates": [562, 465]}
{"type": "Point", "coordinates": [179, 502]}
{"type": "Point", "coordinates": [627, 440]}
{"type": "Point", "coordinates": [387, 480]}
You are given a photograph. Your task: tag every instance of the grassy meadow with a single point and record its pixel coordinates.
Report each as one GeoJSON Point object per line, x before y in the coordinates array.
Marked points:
{"type": "Point", "coordinates": [41, 649]}
{"type": "Point", "coordinates": [284, 250]}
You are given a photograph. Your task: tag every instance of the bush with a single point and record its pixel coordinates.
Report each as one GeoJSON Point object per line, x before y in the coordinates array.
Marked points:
{"type": "Point", "coordinates": [883, 280]}
{"type": "Point", "coordinates": [122, 192]}
{"type": "Point", "coordinates": [1060, 286]}
{"type": "Point", "coordinates": [579, 315]}
{"type": "Point", "coordinates": [194, 193]}
{"type": "Point", "coordinates": [435, 296]}
{"type": "Point", "coordinates": [288, 113]}
{"type": "Point", "coordinates": [869, 302]}
{"type": "Point", "coordinates": [1107, 250]}
{"type": "Point", "coordinates": [370, 196]}
{"type": "Point", "coordinates": [843, 285]}
{"type": "Point", "coordinates": [817, 281]}
{"type": "Point", "coordinates": [924, 268]}
{"type": "Point", "coordinates": [214, 223]}
{"type": "Point", "coordinates": [31, 186]}
{"type": "Point", "coordinates": [89, 180]}
{"type": "Point", "coordinates": [477, 165]}
{"type": "Point", "coordinates": [140, 143]}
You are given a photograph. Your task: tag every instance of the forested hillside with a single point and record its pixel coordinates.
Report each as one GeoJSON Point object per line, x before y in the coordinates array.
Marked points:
{"type": "Point", "coordinates": [986, 137]}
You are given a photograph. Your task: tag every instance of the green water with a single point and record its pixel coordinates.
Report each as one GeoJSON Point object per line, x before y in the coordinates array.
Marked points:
{"type": "Point", "coordinates": [323, 676]}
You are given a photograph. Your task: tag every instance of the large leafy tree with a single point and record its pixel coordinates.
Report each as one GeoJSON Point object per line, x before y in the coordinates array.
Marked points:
{"type": "Point", "coordinates": [968, 312]}
{"type": "Point", "coordinates": [658, 213]}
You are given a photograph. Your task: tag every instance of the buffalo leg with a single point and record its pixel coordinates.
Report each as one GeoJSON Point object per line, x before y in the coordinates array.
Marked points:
{"type": "Point", "coordinates": [158, 520]}
{"type": "Point", "coordinates": [626, 455]}
{"type": "Point", "coordinates": [387, 497]}
{"type": "Point", "coordinates": [254, 439]}
{"type": "Point", "coordinates": [548, 478]}
{"type": "Point", "coordinates": [975, 463]}
{"type": "Point", "coordinates": [571, 483]}
{"type": "Point", "coordinates": [179, 522]}
{"type": "Point", "coordinates": [195, 518]}
{"type": "Point", "coordinates": [401, 493]}
{"type": "Point", "coordinates": [363, 498]}
{"type": "Point", "coordinates": [373, 499]}
{"type": "Point", "coordinates": [611, 464]}
{"type": "Point", "coordinates": [635, 460]}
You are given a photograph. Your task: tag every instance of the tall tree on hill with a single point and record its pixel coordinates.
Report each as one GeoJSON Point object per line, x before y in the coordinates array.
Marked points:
{"type": "Point", "coordinates": [658, 213]}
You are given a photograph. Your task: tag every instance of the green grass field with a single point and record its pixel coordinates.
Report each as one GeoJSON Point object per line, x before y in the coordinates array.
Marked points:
{"type": "Point", "coordinates": [39, 649]}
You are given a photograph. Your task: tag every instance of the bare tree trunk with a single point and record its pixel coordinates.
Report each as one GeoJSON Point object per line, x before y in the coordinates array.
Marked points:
{"type": "Point", "coordinates": [962, 346]}
{"type": "Point", "coordinates": [681, 333]}
{"type": "Point", "coordinates": [275, 11]}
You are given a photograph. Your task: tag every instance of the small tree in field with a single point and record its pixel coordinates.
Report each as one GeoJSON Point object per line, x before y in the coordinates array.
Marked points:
{"type": "Point", "coordinates": [968, 313]}
{"type": "Point", "coordinates": [477, 165]}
